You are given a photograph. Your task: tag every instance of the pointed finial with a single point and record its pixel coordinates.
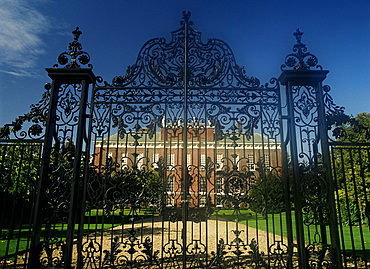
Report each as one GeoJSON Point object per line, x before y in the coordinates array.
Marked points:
{"type": "Point", "coordinates": [76, 34]}
{"type": "Point", "coordinates": [185, 18]}
{"type": "Point", "coordinates": [301, 59]}
{"type": "Point", "coordinates": [75, 53]}
{"type": "Point", "coordinates": [186, 15]}
{"type": "Point", "coordinates": [298, 35]}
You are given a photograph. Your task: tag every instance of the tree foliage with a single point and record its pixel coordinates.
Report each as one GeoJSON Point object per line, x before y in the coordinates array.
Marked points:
{"type": "Point", "coordinates": [352, 168]}
{"type": "Point", "coordinates": [19, 168]}
{"type": "Point", "coordinates": [266, 194]}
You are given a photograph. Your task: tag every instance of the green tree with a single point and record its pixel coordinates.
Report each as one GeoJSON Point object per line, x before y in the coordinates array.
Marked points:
{"type": "Point", "coordinates": [19, 168]}
{"type": "Point", "coordinates": [352, 168]}
{"type": "Point", "coordinates": [266, 194]}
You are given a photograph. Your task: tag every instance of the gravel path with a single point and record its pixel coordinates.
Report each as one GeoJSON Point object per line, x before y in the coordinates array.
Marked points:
{"type": "Point", "coordinates": [168, 234]}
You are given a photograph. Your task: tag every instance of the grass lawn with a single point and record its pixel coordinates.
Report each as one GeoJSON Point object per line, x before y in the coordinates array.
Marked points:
{"type": "Point", "coordinates": [361, 248]}
{"type": "Point", "coordinates": [20, 238]}
{"type": "Point", "coordinates": [275, 223]}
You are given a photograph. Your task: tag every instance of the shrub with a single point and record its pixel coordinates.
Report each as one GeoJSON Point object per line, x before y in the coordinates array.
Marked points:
{"type": "Point", "coordinates": [267, 194]}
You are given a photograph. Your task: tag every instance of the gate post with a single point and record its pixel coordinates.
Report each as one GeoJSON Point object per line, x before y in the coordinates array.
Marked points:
{"type": "Point", "coordinates": [313, 189]}
{"type": "Point", "coordinates": [67, 111]}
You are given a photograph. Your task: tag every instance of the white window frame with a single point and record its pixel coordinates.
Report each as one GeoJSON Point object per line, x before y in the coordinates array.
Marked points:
{"type": "Point", "coordinates": [251, 164]}
{"type": "Point", "coordinates": [170, 160]}
{"type": "Point", "coordinates": [267, 162]}
{"type": "Point", "coordinates": [202, 185]}
{"type": "Point", "coordinates": [124, 161]}
{"type": "Point", "coordinates": [218, 201]}
{"type": "Point", "coordinates": [107, 156]}
{"type": "Point", "coordinates": [140, 158]}
{"type": "Point", "coordinates": [170, 186]}
{"type": "Point", "coordinates": [203, 161]}
{"type": "Point", "coordinates": [203, 201]}
{"type": "Point", "coordinates": [219, 162]}
{"type": "Point", "coordinates": [155, 159]}
{"type": "Point", "coordinates": [170, 201]}
{"type": "Point", "coordinates": [219, 185]}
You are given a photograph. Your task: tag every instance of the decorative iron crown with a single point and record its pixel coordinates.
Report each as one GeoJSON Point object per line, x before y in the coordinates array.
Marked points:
{"type": "Point", "coordinates": [301, 59]}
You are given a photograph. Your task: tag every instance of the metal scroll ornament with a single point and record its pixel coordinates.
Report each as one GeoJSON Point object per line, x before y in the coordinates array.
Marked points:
{"type": "Point", "coordinates": [300, 60]}
{"type": "Point", "coordinates": [161, 63]}
{"type": "Point", "coordinates": [36, 120]}
{"type": "Point", "coordinates": [75, 53]}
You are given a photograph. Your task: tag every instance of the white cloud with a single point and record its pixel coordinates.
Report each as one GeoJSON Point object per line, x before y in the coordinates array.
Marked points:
{"type": "Point", "coordinates": [21, 30]}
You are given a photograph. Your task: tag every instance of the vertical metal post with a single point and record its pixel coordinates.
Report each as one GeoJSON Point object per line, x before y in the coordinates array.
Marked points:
{"type": "Point", "coordinates": [286, 185]}
{"type": "Point", "coordinates": [302, 256]}
{"type": "Point", "coordinates": [84, 186]}
{"type": "Point", "coordinates": [185, 202]}
{"type": "Point", "coordinates": [36, 246]}
{"type": "Point", "coordinates": [76, 174]}
{"type": "Point", "coordinates": [323, 134]}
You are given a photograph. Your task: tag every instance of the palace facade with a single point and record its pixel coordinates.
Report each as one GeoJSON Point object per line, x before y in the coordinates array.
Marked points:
{"type": "Point", "coordinates": [218, 163]}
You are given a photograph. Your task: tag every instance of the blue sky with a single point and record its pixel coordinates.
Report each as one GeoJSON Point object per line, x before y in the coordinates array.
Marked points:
{"type": "Point", "coordinates": [33, 34]}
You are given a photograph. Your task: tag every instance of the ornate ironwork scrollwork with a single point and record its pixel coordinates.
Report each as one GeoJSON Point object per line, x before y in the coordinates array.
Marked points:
{"type": "Point", "coordinates": [320, 256]}
{"type": "Point", "coordinates": [238, 254]}
{"type": "Point", "coordinates": [300, 60]}
{"type": "Point", "coordinates": [75, 53]}
{"type": "Point", "coordinates": [279, 253]}
{"type": "Point", "coordinates": [222, 103]}
{"type": "Point", "coordinates": [314, 193]}
{"type": "Point", "coordinates": [59, 185]}
{"type": "Point", "coordinates": [174, 251]}
{"type": "Point", "coordinates": [52, 253]}
{"type": "Point", "coordinates": [37, 117]}
{"type": "Point", "coordinates": [162, 64]}
{"type": "Point", "coordinates": [343, 126]}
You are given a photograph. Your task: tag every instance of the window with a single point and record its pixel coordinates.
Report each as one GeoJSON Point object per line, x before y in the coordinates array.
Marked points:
{"type": "Point", "coordinates": [170, 160]}
{"type": "Point", "coordinates": [251, 165]}
{"type": "Point", "coordinates": [124, 161]}
{"type": "Point", "coordinates": [219, 162]}
{"type": "Point", "coordinates": [235, 161]}
{"type": "Point", "coordinates": [140, 159]}
{"type": "Point", "coordinates": [170, 201]}
{"type": "Point", "coordinates": [188, 159]}
{"type": "Point", "coordinates": [202, 162]}
{"type": "Point", "coordinates": [267, 162]}
{"type": "Point", "coordinates": [219, 185]}
{"type": "Point", "coordinates": [218, 200]}
{"type": "Point", "coordinates": [202, 184]}
{"type": "Point", "coordinates": [203, 201]}
{"type": "Point", "coordinates": [155, 159]}
{"type": "Point", "coordinates": [170, 184]}
{"type": "Point", "coordinates": [108, 155]}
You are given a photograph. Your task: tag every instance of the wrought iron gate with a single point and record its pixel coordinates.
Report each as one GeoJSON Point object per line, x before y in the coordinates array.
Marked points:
{"type": "Point", "coordinates": [183, 162]}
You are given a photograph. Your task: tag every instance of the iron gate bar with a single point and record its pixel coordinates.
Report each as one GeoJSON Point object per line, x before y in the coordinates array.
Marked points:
{"type": "Point", "coordinates": [185, 176]}
{"type": "Point", "coordinates": [36, 247]}
{"type": "Point", "coordinates": [322, 126]}
{"type": "Point", "coordinates": [286, 183]}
